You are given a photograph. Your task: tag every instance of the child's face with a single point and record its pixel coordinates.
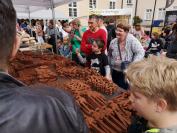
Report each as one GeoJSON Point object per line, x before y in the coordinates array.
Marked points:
{"type": "Point", "coordinates": [95, 47]}
{"type": "Point", "coordinates": [59, 42]}
{"type": "Point", "coordinates": [138, 27]}
{"type": "Point", "coordinates": [143, 106]}
{"type": "Point", "coordinates": [143, 40]}
{"type": "Point", "coordinates": [65, 40]}
{"type": "Point", "coordinates": [75, 25]}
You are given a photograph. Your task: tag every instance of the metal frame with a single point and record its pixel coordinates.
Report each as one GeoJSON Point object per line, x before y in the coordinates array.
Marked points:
{"type": "Point", "coordinates": [53, 15]}
{"type": "Point", "coordinates": [29, 13]}
{"type": "Point", "coordinates": [152, 21]}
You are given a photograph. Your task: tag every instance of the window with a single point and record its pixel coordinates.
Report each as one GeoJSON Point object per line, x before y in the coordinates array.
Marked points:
{"type": "Point", "coordinates": [92, 4]}
{"type": "Point", "coordinates": [73, 9]}
{"type": "Point", "coordinates": [129, 2]}
{"type": "Point", "coordinates": [112, 5]}
{"type": "Point", "coordinates": [148, 14]}
{"type": "Point", "coordinates": [161, 13]}
{"type": "Point", "coordinates": [169, 2]}
{"type": "Point", "coordinates": [74, 4]}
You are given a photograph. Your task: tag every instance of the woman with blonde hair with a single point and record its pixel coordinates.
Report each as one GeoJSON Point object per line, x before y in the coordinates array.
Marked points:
{"type": "Point", "coordinates": [76, 38]}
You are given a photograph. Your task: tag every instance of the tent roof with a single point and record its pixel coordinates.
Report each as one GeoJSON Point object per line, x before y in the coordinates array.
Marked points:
{"type": "Point", "coordinates": [27, 9]}
{"type": "Point", "coordinates": [24, 7]}
{"type": "Point", "coordinates": [32, 5]}
{"type": "Point", "coordinates": [42, 3]}
{"type": "Point", "coordinates": [42, 14]}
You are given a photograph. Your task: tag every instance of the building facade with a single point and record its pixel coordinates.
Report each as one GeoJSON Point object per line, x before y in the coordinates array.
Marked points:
{"type": "Point", "coordinates": [123, 10]}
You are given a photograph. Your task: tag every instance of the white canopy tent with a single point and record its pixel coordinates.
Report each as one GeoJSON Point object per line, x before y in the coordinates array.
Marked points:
{"type": "Point", "coordinates": [29, 6]}
{"type": "Point", "coordinates": [25, 8]}
{"type": "Point", "coordinates": [42, 3]}
{"type": "Point", "coordinates": [42, 14]}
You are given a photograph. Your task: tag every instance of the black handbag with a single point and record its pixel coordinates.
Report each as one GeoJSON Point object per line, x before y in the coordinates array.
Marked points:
{"type": "Point", "coordinates": [124, 64]}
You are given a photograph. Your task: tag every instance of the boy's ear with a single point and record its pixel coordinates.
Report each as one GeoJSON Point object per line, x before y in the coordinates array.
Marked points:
{"type": "Point", "coordinates": [161, 105]}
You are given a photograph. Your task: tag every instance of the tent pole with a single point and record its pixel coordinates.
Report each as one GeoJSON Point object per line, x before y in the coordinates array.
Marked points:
{"type": "Point", "coordinates": [30, 21]}
{"type": "Point", "coordinates": [152, 21]}
{"type": "Point", "coordinates": [54, 20]}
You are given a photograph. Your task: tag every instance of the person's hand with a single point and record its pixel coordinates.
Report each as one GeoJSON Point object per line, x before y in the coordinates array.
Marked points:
{"type": "Point", "coordinates": [109, 77]}
{"type": "Point", "coordinates": [77, 51]}
{"type": "Point", "coordinates": [77, 37]}
{"type": "Point", "coordinates": [163, 53]}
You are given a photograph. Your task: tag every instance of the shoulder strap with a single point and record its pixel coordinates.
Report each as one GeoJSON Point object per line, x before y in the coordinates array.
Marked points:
{"type": "Point", "coordinates": [133, 53]}
{"type": "Point", "coordinates": [119, 50]}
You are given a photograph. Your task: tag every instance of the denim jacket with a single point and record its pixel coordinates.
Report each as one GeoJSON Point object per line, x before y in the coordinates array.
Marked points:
{"type": "Point", "coordinates": [65, 51]}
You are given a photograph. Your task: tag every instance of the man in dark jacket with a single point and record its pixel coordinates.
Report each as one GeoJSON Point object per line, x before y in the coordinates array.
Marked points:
{"type": "Point", "coordinates": [111, 32]}
{"type": "Point", "coordinates": [36, 109]}
{"type": "Point", "coordinates": [172, 49]}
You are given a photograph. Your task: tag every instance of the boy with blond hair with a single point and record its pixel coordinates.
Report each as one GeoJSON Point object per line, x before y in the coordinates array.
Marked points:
{"type": "Point", "coordinates": [153, 84]}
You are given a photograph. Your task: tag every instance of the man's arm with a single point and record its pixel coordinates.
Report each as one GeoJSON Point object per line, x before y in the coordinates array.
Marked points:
{"type": "Point", "coordinates": [107, 68]}
{"type": "Point", "coordinates": [108, 72]}
{"type": "Point", "coordinates": [150, 45]}
{"type": "Point", "coordinates": [138, 51]}
{"type": "Point", "coordinates": [81, 59]}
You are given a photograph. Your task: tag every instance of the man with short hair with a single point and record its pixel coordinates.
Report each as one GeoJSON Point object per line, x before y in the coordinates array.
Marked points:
{"type": "Point", "coordinates": [101, 24]}
{"type": "Point", "coordinates": [52, 32]}
{"type": "Point", "coordinates": [23, 109]}
{"type": "Point", "coordinates": [111, 32]}
{"type": "Point", "coordinates": [92, 34]}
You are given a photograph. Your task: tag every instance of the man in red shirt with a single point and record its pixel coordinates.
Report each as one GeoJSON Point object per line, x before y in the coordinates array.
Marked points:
{"type": "Point", "coordinates": [92, 34]}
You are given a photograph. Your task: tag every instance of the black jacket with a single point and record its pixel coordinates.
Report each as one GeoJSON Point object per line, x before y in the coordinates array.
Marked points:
{"type": "Point", "coordinates": [37, 109]}
{"type": "Point", "coordinates": [172, 50]}
{"type": "Point", "coordinates": [155, 45]}
{"type": "Point", "coordinates": [111, 34]}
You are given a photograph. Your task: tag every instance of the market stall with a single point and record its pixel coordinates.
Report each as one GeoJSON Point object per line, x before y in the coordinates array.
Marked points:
{"type": "Point", "coordinates": [27, 7]}
{"type": "Point", "coordinates": [105, 106]}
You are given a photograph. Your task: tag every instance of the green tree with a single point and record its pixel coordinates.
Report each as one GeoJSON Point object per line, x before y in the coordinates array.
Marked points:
{"type": "Point", "coordinates": [137, 20]}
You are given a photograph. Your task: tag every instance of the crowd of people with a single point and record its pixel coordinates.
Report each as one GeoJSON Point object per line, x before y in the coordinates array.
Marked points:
{"type": "Point", "coordinates": [109, 50]}
{"type": "Point", "coordinates": [122, 44]}
{"type": "Point", "coordinates": [35, 109]}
